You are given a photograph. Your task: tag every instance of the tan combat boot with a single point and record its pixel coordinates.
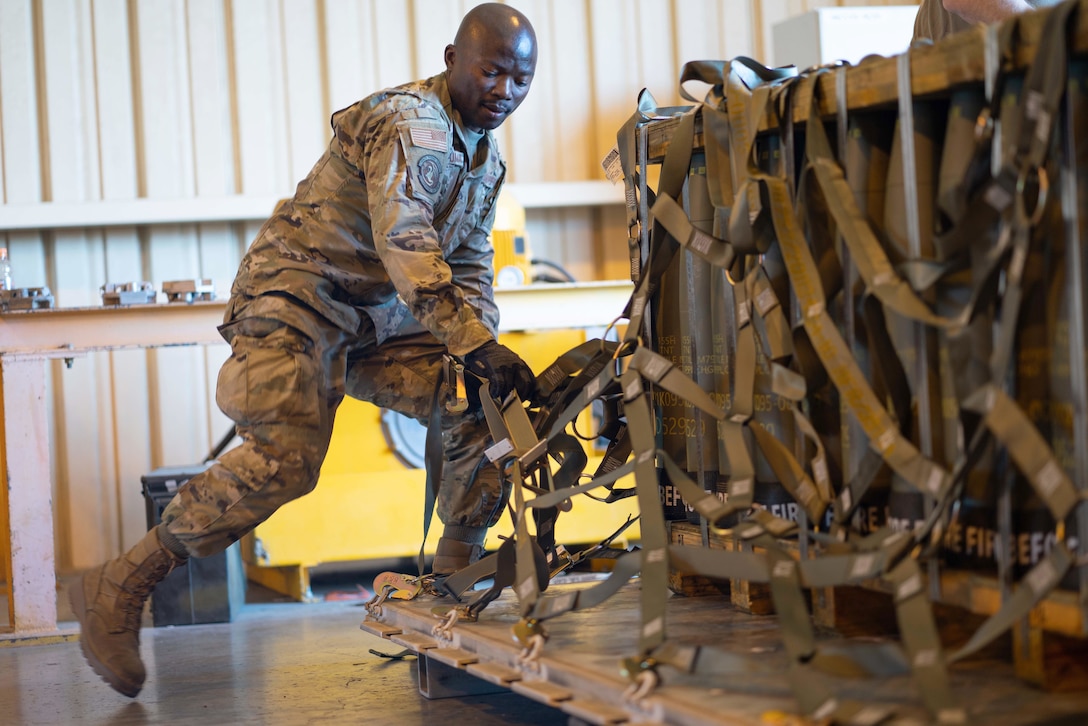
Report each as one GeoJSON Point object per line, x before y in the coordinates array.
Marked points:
{"type": "Point", "coordinates": [109, 601]}
{"type": "Point", "coordinates": [459, 546]}
{"type": "Point", "coordinates": [452, 555]}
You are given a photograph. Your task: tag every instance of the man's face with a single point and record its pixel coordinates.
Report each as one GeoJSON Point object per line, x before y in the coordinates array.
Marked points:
{"type": "Point", "coordinates": [489, 76]}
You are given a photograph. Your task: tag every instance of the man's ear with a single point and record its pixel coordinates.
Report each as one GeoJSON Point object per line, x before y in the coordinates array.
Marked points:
{"type": "Point", "coordinates": [450, 55]}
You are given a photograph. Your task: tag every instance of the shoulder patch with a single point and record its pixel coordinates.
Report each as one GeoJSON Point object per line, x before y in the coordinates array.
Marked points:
{"type": "Point", "coordinates": [435, 139]}
{"type": "Point", "coordinates": [430, 172]}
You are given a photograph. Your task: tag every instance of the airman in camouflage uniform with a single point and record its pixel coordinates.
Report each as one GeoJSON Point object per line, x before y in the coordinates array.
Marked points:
{"type": "Point", "coordinates": [358, 285]}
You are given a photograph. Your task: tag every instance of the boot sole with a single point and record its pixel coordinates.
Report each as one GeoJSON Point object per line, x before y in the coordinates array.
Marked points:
{"type": "Point", "coordinates": [79, 607]}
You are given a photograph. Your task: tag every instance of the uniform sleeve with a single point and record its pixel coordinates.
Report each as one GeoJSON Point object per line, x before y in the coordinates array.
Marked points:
{"type": "Point", "coordinates": [407, 173]}
{"type": "Point", "coordinates": [473, 268]}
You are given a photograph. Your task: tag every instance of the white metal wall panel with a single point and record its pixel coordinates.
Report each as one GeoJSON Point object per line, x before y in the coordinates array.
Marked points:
{"type": "Point", "coordinates": [179, 99]}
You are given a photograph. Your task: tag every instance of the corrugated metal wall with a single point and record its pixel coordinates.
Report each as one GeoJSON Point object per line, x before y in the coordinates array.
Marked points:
{"type": "Point", "coordinates": [177, 99]}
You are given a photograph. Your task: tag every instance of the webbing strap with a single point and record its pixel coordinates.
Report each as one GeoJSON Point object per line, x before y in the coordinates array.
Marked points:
{"type": "Point", "coordinates": [626, 149]}
{"type": "Point", "coordinates": [1036, 584]}
{"type": "Point", "coordinates": [552, 379]}
{"type": "Point", "coordinates": [661, 371]}
{"type": "Point", "coordinates": [594, 381]}
{"type": "Point", "coordinates": [790, 473]}
{"type": "Point", "coordinates": [503, 568]}
{"type": "Point", "coordinates": [742, 400]}
{"type": "Point", "coordinates": [866, 252]}
{"type": "Point", "coordinates": [654, 535]}
{"type": "Point", "coordinates": [457, 583]}
{"type": "Point", "coordinates": [433, 456]}
{"type": "Point", "coordinates": [777, 337]}
{"type": "Point", "coordinates": [789, 605]}
{"type": "Point", "coordinates": [674, 171]}
{"type": "Point", "coordinates": [742, 470]}
{"type": "Point", "coordinates": [719, 564]}
{"type": "Point", "coordinates": [884, 436]}
{"type": "Point", "coordinates": [572, 458]}
{"type": "Point", "coordinates": [626, 567]}
{"type": "Point", "coordinates": [671, 215]}
{"type": "Point", "coordinates": [745, 107]}
{"type": "Point", "coordinates": [829, 570]}
{"type": "Point", "coordinates": [922, 642]}
{"type": "Point", "coordinates": [705, 503]}
{"type": "Point", "coordinates": [906, 138]}
{"type": "Point", "coordinates": [813, 697]}
{"type": "Point", "coordinates": [1027, 447]}
{"type": "Point", "coordinates": [530, 567]}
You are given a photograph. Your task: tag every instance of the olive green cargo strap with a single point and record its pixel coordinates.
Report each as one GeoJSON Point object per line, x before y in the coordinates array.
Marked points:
{"type": "Point", "coordinates": [708, 506]}
{"type": "Point", "coordinates": [671, 215]}
{"type": "Point", "coordinates": [747, 95]}
{"type": "Point", "coordinates": [655, 538]}
{"type": "Point", "coordinates": [884, 436]}
{"type": "Point", "coordinates": [674, 172]}
{"type": "Point", "coordinates": [876, 270]}
{"type": "Point", "coordinates": [626, 154]}
{"type": "Point", "coordinates": [433, 461]}
{"type": "Point", "coordinates": [593, 381]}
{"type": "Point", "coordinates": [1028, 449]}
{"type": "Point", "coordinates": [922, 642]}
{"type": "Point", "coordinates": [661, 371]}
{"type": "Point", "coordinates": [1033, 587]}
{"type": "Point", "coordinates": [979, 203]}
{"type": "Point", "coordinates": [1043, 90]}
{"type": "Point", "coordinates": [555, 380]}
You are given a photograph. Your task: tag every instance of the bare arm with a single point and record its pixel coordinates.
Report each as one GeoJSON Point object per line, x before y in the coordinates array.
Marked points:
{"type": "Point", "coordinates": [986, 11]}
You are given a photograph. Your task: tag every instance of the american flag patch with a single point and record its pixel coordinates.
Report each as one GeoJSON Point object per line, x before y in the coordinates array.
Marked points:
{"type": "Point", "coordinates": [429, 138]}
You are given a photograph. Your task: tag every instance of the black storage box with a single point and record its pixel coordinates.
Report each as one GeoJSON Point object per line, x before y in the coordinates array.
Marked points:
{"type": "Point", "coordinates": [206, 589]}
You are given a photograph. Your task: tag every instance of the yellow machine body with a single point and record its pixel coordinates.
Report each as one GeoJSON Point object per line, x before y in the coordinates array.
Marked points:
{"type": "Point", "coordinates": [510, 239]}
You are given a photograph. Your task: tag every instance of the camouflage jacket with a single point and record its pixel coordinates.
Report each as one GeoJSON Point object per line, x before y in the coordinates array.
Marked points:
{"type": "Point", "coordinates": [934, 22]}
{"type": "Point", "coordinates": [392, 222]}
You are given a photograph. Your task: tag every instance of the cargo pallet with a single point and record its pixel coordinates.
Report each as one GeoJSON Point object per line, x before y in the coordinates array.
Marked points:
{"type": "Point", "coordinates": [578, 669]}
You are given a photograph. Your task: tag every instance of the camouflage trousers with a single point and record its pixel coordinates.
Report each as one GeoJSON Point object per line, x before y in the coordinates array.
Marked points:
{"type": "Point", "coordinates": [288, 371]}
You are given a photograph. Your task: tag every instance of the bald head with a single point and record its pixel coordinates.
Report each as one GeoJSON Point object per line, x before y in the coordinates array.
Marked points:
{"type": "Point", "coordinates": [490, 64]}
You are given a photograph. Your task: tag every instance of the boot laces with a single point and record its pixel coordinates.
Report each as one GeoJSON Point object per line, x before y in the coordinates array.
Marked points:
{"type": "Point", "coordinates": [137, 587]}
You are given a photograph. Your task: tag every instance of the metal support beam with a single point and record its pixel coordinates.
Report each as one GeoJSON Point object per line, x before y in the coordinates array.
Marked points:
{"type": "Point", "coordinates": [26, 513]}
{"type": "Point", "coordinates": [438, 680]}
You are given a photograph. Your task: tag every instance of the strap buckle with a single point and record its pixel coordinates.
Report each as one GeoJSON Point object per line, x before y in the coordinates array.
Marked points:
{"type": "Point", "coordinates": [643, 675]}
{"type": "Point", "coordinates": [526, 629]}
{"type": "Point", "coordinates": [1032, 175]}
{"type": "Point", "coordinates": [455, 380]}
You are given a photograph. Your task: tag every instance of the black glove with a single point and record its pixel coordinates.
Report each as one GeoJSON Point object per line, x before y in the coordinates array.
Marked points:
{"type": "Point", "coordinates": [504, 370]}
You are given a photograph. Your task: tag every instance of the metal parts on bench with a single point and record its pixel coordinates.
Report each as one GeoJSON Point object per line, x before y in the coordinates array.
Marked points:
{"type": "Point", "coordinates": [188, 291]}
{"type": "Point", "coordinates": [25, 298]}
{"type": "Point", "coordinates": [128, 293]}
{"type": "Point", "coordinates": [143, 293]}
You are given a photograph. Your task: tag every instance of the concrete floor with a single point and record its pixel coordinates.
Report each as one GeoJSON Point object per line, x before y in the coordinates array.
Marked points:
{"type": "Point", "coordinates": [277, 663]}
{"type": "Point", "coordinates": [283, 662]}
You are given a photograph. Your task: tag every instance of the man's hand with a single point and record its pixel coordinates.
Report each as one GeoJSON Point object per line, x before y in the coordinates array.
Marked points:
{"type": "Point", "coordinates": [504, 369]}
